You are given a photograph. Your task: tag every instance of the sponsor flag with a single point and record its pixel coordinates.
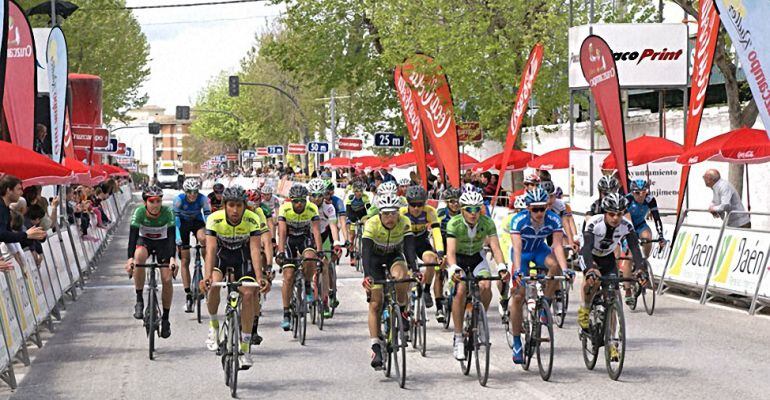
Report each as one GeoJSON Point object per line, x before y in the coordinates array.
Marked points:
{"type": "Point", "coordinates": [407, 96]}
{"type": "Point", "coordinates": [746, 23]}
{"type": "Point", "coordinates": [705, 43]}
{"type": "Point", "coordinates": [3, 43]}
{"type": "Point", "coordinates": [434, 100]}
{"type": "Point", "coordinates": [528, 77]}
{"type": "Point", "coordinates": [19, 96]}
{"type": "Point", "coordinates": [69, 148]}
{"type": "Point", "coordinates": [56, 56]}
{"type": "Point", "coordinates": [599, 70]}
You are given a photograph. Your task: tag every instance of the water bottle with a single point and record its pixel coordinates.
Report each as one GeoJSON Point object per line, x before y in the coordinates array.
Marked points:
{"type": "Point", "coordinates": [385, 314]}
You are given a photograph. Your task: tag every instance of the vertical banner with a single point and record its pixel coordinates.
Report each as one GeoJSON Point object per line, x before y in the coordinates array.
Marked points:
{"type": "Point", "coordinates": [600, 71]}
{"type": "Point", "coordinates": [705, 43]}
{"type": "Point", "coordinates": [3, 43]}
{"type": "Point", "coordinates": [746, 23]}
{"type": "Point", "coordinates": [19, 95]}
{"type": "Point", "coordinates": [408, 99]}
{"type": "Point", "coordinates": [69, 147]}
{"type": "Point", "coordinates": [57, 82]}
{"type": "Point", "coordinates": [528, 77]}
{"type": "Point", "coordinates": [437, 112]}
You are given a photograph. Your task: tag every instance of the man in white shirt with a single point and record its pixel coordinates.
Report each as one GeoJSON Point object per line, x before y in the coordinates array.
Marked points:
{"type": "Point", "coordinates": [725, 199]}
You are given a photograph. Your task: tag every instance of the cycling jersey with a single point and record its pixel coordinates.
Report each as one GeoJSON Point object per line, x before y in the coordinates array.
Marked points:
{"type": "Point", "coordinates": [444, 215]}
{"type": "Point", "coordinates": [560, 208]}
{"type": "Point", "coordinates": [639, 211]}
{"type": "Point", "coordinates": [353, 204]}
{"type": "Point", "coordinates": [298, 224]}
{"type": "Point", "coordinates": [216, 204]}
{"type": "Point", "coordinates": [263, 207]}
{"type": "Point", "coordinates": [470, 240]}
{"type": "Point", "coordinates": [272, 204]}
{"type": "Point", "coordinates": [327, 214]}
{"type": "Point", "coordinates": [422, 221]}
{"type": "Point", "coordinates": [600, 239]}
{"type": "Point", "coordinates": [156, 234]}
{"type": "Point", "coordinates": [186, 210]}
{"type": "Point", "coordinates": [339, 205]}
{"type": "Point", "coordinates": [533, 236]}
{"type": "Point", "coordinates": [235, 237]}
{"type": "Point", "coordinates": [387, 240]}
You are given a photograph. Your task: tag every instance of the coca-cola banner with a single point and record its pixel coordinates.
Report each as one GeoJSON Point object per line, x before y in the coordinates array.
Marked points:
{"type": "Point", "coordinates": [56, 55]}
{"type": "Point", "coordinates": [407, 96]}
{"type": "Point", "coordinates": [600, 72]}
{"type": "Point", "coordinates": [3, 43]}
{"type": "Point", "coordinates": [746, 21]}
{"type": "Point", "coordinates": [436, 112]}
{"type": "Point", "coordinates": [69, 147]}
{"type": "Point", "coordinates": [526, 84]}
{"type": "Point", "coordinates": [19, 96]}
{"type": "Point", "coordinates": [705, 43]}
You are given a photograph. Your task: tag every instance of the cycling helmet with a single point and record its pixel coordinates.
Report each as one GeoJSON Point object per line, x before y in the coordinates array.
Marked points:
{"type": "Point", "coordinates": [151, 191]}
{"type": "Point", "coordinates": [608, 184]}
{"type": "Point", "coordinates": [614, 202]}
{"type": "Point", "coordinates": [359, 186]}
{"type": "Point", "coordinates": [558, 193]}
{"type": "Point", "coordinates": [536, 196]}
{"type": "Point", "coordinates": [519, 202]}
{"type": "Point", "coordinates": [298, 191]}
{"type": "Point", "coordinates": [387, 187]}
{"type": "Point", "coordinates": [267, 189]}
{"type": "Point", "coordinates": [404, 182]}
{"type": "Point", "coordinates": [452, 193]}
{"type": "Point", "coordinates": [329, 185]}
{"type": "Point", "coordinates": [548, 186]}
{"type": "Point", "coordinates": [218, 188]}
{"type": "Point", "coordinates": [416, 193]}
{"type": "Point", "coordinates": [639, 185]}
{"type": "Point", "coordinates": [234, 193]}
{"type": "Point", "coordinates": [316, 186]}
{"type": "Point", "coordinates": [191, 184]}
{"type": "Point", "coordinates": [532, 179]}
{"type": "Point", "coordinates": [471, 199]}
{"type": "Point", "coordinates": [469, 187]}
{"type": "Point", "coordinates": [388, 202]}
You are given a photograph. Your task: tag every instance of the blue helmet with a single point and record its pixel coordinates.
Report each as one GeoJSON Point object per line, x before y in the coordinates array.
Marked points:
{"type": "Point", "coordinates": [639, 184]}
{"type": "Point", "coordinates": [536, 196]}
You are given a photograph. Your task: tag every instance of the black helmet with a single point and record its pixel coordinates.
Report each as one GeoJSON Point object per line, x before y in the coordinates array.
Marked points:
{"type": "Point", "coordinates": [234, 193]}
{"type": "Point", "coordinates": [614, 202]}
{"type": "Point", "coordinates": [218, 188]}
{"type": "Point", "coordinates": [452, 193]}
{"type": "Point", "coordinates": [608, 184]}
{"type": "Point", "coordinates": [298, 191]}
{"type": "Point", "coordinates": [548, 186]}
{"type": "Point", "coordinates": [359, 186]}
{"type": "Point", "coordinates": [151, 191]}
{"type": "Point", "coordinates": [416, 193]}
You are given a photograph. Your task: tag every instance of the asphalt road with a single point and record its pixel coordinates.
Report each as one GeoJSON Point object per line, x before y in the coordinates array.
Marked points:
{"type": "Point", "coordinates": [98, 351]}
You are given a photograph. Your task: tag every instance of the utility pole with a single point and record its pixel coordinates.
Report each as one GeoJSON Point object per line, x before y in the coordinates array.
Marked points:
{"type": "Point", "coordinates": [333, 125]}
{"type": "Point", "coordinates": [53, 13]}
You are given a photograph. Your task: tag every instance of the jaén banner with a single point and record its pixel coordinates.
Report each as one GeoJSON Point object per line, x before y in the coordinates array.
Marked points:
{"type": "Point", "coordinates": [56, 57]}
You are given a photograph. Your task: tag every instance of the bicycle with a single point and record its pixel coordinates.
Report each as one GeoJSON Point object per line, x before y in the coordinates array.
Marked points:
{"type": "Point", "coordinates": [332, 276]}
{"type": "Point", "coordinates": [196, 278]}
{"type": "Point", "coordinates": [561, 298]}
{"type": "Point", "coordinates": [645, 282]}
{"type": "Point", "coordinates": [476, 329]}
{"type": "Point", "coordinates": [356, 246]}
{"type": "Point", "coordinates": [229, 347]}
{"type": "Point", "coordinates": [319, 302]}
{"type": "Point", "coordinates": [392, 327]}
{"type": "Point", "coordinates": [152, 311]}
{"type": "Point", "coordinates": [298, 306]}
{"type": "Point", "coordinates": [536, 313]}
{"type": "Point", "coordinates": [419, 320]}
{"type": "Point", "coordinates": [606, 326]}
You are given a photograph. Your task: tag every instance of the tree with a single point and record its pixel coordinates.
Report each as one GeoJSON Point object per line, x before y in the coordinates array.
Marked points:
{"type": "Point", "coordinates": [109, 43]}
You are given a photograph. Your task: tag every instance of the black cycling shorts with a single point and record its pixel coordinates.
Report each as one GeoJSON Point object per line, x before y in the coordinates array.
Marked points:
{"type": "Point", "coordinates": [378, 263]}
{"type": "Point", "coordinates": [607, 264]}
{"type": "Point", "coordinates": [422, 244]}
{"type": "Point", "coordinates": [296, 245]}
{"type": "Point", "coordinates": [355, 216]}
{"type": "Point", "coordinates": [327, 235]}
{"type": "Point", "coordinates": [238, 260]}
{"type": "Point", "coordinates": [160, 248]}
{"type": "Point", "coordinates": [189, 227]}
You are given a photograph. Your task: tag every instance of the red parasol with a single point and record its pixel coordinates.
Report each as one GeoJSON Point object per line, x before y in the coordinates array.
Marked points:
{"type": "Point", "coordinates": [517, 162]}
{"type": "Point", "coordinates": [113, 170]}
{"type": "Point", "coordinates": [466, 161]}
{"type": "Point", "coordinates": [337, 162]}
{"type": "Point", "coordinates": [367, 162]}
{"type": "Point", "coordinates": [32, 168]}
{"type": "Point", "coordinates": [81, 171]}
{"type": "Point", "coordinates": [740, 146]}
{"type": "Point", "coordinates": [645, 150]}
{"type": "Point", "coordinates": [408, 159]}
{"type": "Point", "coordinates": [556, 159]}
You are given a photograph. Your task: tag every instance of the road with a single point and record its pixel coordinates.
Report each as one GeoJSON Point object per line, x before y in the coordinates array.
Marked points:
{"type": "Point", "coordinates": [98, 351]}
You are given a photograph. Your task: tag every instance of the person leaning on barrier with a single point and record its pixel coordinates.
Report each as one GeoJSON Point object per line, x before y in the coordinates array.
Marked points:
{"type": "Point", "coordinates": [725, 199]}
{"type": "Point", "coordinates": [10, 190]}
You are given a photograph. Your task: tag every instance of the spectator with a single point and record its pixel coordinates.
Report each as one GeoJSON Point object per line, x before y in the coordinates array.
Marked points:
{"type": "Point", "coordinates": [10, 190]}
{"type": "Point", "coordinates": [725, 199]}
{"type": "Point", "coordinates": [33, 196]}
{"type": "Point", "coordinates": [32, 219]}
{"type": "Point", "coordinates": [41, 132]}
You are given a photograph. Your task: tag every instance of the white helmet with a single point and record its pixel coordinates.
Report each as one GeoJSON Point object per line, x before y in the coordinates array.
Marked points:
{"type": "Point", "coordinates": [267, 189]}
{"type": "Point", "coordinates": [191, 184]}
{"type": "Point", "coordinates": [404, 182]}
{"type": "Point", "coordinates": [519, 203]}
{"type": "Point", "coordinates": [387, 187]}
{"type": "Point", "coordinates": [471, 199]}
{"type": "Point", "coordinates": [316, 186]}
{"type": "Point", "coordinates": [388, 202]}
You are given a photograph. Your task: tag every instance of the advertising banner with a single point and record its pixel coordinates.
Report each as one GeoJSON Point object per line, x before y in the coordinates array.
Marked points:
{"type": "Point", "coordinates": [69, 147]}
{"type": "Point", "coordinates": [746, 21]}
{"type": "Point", "coordinates": [469, 132]}
{"type": "Point", "coordinates": [11, 325]}
{"type": "Point", "coordinates": [658, 255]}
{"type": "Point", "coordinates": [19, 95]}
{"type": "Point", "coordinates": [3, 43]}
{"type": "Point", "coordinates": [740, 259]}
{"type": "Point", "coordinates": [647, 55]}
{"type": "Point", "coordinates": [83, 135]}
{"type": "Point", "coordinates": [664, 180]}
{"type": "Point", "coordinates": [691, 255]}
{"type": "Point", "coordinates": [407, 96]}
{"type": "Point", "coordinates": [350, 144]}
{"type": "Point", "coordinates": [297, 148]}
{"type": "Point", "coordinates": [56, 56]}
{"type": "Point", "coordinates": [434, 100]}
{"type": "Point", "coordinates": [600, 72]}
{"type": "Point", "coordinates": [580, 183]}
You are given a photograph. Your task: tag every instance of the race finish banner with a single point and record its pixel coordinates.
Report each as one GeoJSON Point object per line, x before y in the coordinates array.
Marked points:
{"type": "Point", "coordinates": [19, 97]}
{"type": "Point", "coordinates": [526, 84]}
{"type": "Point", "coordinates": [3, 43]}
{"type": "Point", "coordinates": [407, 96]}
{"type": "Point", "coordinates": [57, 83]}
{"type": "Point", "coordinates": [746, 21]}
{"type": "Point", "coordinates": [600, 72]}
{"type": "Point", "coordinates": [436, 112]}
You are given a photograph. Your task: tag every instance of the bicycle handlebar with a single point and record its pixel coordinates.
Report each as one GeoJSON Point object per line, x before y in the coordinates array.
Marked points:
{"type": "Point", "coordinates": [543, 278]}
{"type": "Point", "coordinates": [235, 284]}
{"type": "Point", "coordinates": [658, 240]}
{"type": "Point", "coordinates": [188, 247]}
{"type": "Point", "coordinates": [393, 281]}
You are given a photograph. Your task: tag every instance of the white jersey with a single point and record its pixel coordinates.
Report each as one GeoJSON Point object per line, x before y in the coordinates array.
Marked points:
{"type": "Point", "coordinates": [560, 208]}
{"type": "Point", "coordinates": [327, 213]}
{"type": "Point", "coordinates": [607, 238]}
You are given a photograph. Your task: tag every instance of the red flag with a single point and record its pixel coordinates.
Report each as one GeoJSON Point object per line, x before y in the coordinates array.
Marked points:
{"type": "Point", "coordinates": [599, 70]}
{"type": "Point", "coordinates": [437, 114]}
{"type": "Point", "coordinates": [407, 96]}
{"type": "Point", "coordinates": [69, 148]}
{"type": "Point", "coordinates": [3, 43]}
{"type": "Point", "coordinates": [19, 98]}
{"type": "Point", "coordinates": [708, 29]}
{"type": "Point", "coordinates": [526, 84]}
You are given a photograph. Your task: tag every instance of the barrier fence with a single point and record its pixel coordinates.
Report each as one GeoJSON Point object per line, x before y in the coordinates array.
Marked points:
{"type": "Point", "coordinates": [32, 295]}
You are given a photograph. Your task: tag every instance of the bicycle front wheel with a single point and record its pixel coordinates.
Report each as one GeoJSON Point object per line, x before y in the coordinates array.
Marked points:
{"type": "Point", "coordinates": [614, 338]}
{"type": "Point", "coordinates": [399, 346]}
{"type": "Point", "coordinates": [528, 329]}
{"type": "Point", "coordinates": [562, 298]}
{"type": "Point", "coordinates": [302, 320]}
{"type": "Point", "coordinates": [152, 322]}
{"type": "Point", "coordinates": [234, 352]}
{"type": "Point", "coordinates": [422, 330]}
{"type": "Point", "coordinates": [545, 344]}
{"type": "Point", "coordinates": [481, 344]}
{"type": "Point", "coordinates": [413, 328]}
{"type": "Point", "coordinates": [648, 292]}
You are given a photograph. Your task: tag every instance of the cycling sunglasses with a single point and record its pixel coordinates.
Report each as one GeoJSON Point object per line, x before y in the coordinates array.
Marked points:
{"type": "Point", "coordinates": [154, 200]}
{"type": "Point", "coordinates": [453, 201]}
{"type": "Point", "coordinates": [388, 213]}
{"type": "Point", "coordinates": [472, 209]}
{"type": "Point", "coordinates": [299, 201]}
{"type": "Point", "coordinates": [191, 191]}
{"type": "Point", "coordinates": [614, 214]}
{"type": "Point", "coordinates": [317, 195]}
{"type": "Point", "coordinates": [417, 204]}
{"type": "Point", "coordinates": [638, 191]}
{"type": "Point", "coordinates": [538, 209]}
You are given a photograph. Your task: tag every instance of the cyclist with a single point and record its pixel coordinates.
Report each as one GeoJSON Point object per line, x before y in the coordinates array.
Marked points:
{"type": "Point", "coordinates": [603, 235]}
{"type": "Point", "coordinates": [531, 181]}
{"type": "Point", "coordinates": [215, 197]}
{"type": "Point", "coordinates": [339, 208]}
{"type": "Point", "coordinates": [191, 209]}
{"type": "Point", "coordinates": [356, 205]}
{"type": "Point", "coordinates": [422, 217]}
{"type": "Point", "coordinates": [233, 240]}
{"type": "Point", "coordinates": [299, 235]}
{"type": "Point", "coordinates": [152, 232]}
{"type": "Point", "coordinates": [607, 184]}
{"type": "Point", "coordinates": [445, 214]}
{"type": "Point", "coordinates": [271, 202]}
{"type": "Point", "coordinates": [329, 231]}
{"type": "Point", "coordinates": [403, 185]}
{"type": "Point", "coordinates": [385, 187]}
{"type": "Point", "coordinates": [388, 242]}
{"type": "Point", "coordinates": [563, 210]}
{"type": "Point", "coordinates": [466, 236]}
{"type": "Point", "coordinates": [529, 229]}
{"type": "Point", "coordinates": [255, 202]}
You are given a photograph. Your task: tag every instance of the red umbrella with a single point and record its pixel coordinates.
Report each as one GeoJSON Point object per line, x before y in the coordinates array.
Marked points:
{"type": "Point", "coordinates": [114, 170]}
{"type": "Point", "coordinates": [556, 159]}
{"type": "Point", "coordinates": [645, 150]}
{"type": "Point", "coordinates": [82, 172]}
{"type": "Point", "coordinates": [408, 159]}
{"type": "Point", "coordinates": [367, 162]}
{"type": "Point", "coordinates": [98, 174]}
{"type": "Point", "coordinates": [741, 146]}
{"type": "Point", "coordinates": [465, 161]}
{"type": "Point", "coordinates": [337, 162]}
{"type": "Point", "coordinates": [32, 168]}
{"type": "Point", "coordinates": [516, 162]}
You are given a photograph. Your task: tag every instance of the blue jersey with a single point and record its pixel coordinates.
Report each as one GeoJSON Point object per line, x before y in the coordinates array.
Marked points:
{"type": "Point", "coordinates": [532, 238]}
{"type": "Point", "coordinates": [444, 215]}
{"type": "Point", "coordinates": [639, 211]}
{"type": "Point", "coordinates": [339, 205]}
{"type": "Point", "coordinates": [187, 211]}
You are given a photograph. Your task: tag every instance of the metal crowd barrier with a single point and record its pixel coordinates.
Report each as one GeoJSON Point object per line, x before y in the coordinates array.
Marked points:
{"type": "Point", "coordinates": [32, 296]}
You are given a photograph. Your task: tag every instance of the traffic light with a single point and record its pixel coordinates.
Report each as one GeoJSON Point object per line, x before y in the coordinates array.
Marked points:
{"type": "Point", "coordinates": [182, 113]}
{"type": "Point", "coordinates": [154, 128]}
{"type": "Point", "coordinates": [234, 85]}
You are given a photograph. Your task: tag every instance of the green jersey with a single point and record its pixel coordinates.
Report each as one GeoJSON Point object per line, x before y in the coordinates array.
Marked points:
{"type": "Point", "coordinates": [153, 228]}
{"type": "Point", "coordinates": [470, 241]}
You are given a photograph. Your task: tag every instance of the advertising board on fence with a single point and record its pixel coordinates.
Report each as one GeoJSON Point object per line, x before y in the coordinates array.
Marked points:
{"type": "Point", "coordinates": [658, 255]}
{"type": "Point", "coordinates": [694, 249]}
{"type": "Point", "coordinates": [740, 260]}
{"type": "Point", "coordinates": [580, 177]}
